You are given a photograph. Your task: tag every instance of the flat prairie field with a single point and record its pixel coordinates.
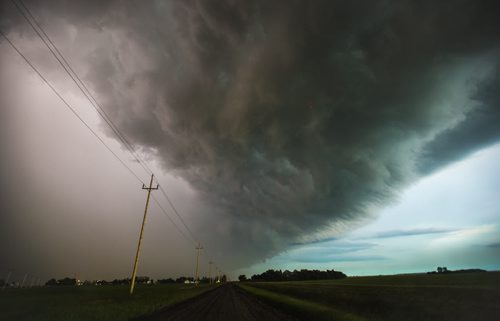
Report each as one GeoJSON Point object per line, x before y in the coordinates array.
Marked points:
{"type": "Point", "coordinates": [461, 296]}
{"type": "Point", "coordinates": [91, 303]}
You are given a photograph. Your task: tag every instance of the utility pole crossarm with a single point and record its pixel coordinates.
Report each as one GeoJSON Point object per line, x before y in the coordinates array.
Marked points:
{"type": "Point", "coordinates": [150, 188]}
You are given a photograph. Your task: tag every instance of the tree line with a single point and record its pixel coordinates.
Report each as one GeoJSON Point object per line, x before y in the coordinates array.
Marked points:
{"type": "Point", "coordinates": [295, 275]}
{"type": "Point", "coordinates": [139, 280]}
{"type": "Point", "coordinates": [444, 270]}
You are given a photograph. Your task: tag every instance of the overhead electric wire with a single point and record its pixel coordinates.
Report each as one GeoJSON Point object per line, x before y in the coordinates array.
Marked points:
{"type": "Point", "coordinates": [78, 81]}
{"type": "Point", "coordinates": [100, 139]}
{"type": "Point", "coordinates": [69, 106]}
{"type": "Point", "coordinates": [178, 215]}
{"type": "Point", "coordinates": [93, 101]}
{"type": "Point", "coordinates": [170, 219]}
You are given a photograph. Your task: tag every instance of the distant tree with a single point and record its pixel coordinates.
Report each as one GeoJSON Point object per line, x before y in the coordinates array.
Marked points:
{"type": "Point", "coordinates": [120, 281]}
{"type": "Point", "coordinates": [440, 269]}
{"type": "Point", "coordinates": [272, 275]}
{"type": "Point", "coordinates": [242, 278]}
{"type": "Point", "coordinates": [67, 281]}
{"type": "Point", "coordinates": [142, 279]}
{"type": "Point", "coordinates": [101, 282]}
{"type": "Point", "coordinates": [183, 279]}
{"type": "Point", "coordinates": [166, 281]}
{"type": "Point", "coordinates": [51, 282]}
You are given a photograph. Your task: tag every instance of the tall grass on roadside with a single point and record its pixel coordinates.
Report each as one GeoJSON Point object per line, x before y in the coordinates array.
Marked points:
{"type": "Point", "coordinates": [91, 303]}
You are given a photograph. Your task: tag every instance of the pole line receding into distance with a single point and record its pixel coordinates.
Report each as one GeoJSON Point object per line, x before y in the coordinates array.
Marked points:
{"type": "Point", "coordinates": [93, 101]}
{"type": "Point", "coordinates": [69, 106]}
{"type": "Point", "coordinates": [73, 110]}
{"type": "Point", "coordinates": [78, 81]}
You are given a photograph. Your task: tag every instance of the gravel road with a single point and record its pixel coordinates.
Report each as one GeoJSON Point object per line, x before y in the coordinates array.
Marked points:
{"type": "Point", "coordinates": [227, 302]}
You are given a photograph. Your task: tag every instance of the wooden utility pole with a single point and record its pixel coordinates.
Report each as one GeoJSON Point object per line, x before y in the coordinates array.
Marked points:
{"type": "Point", "coordinates": [199, 248]}
{"type": "Point", "coordinates": [6, 280]}
{"type": "Point", "coordinates": [24, 280]}
{"type": "Point", "coordinates": [149, 189]}
{"type": "Point", "coordinates": [210, 272]}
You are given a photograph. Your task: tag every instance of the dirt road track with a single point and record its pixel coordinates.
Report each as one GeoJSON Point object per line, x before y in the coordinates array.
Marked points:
{"type": "Point", "coordinates": [227, 302]}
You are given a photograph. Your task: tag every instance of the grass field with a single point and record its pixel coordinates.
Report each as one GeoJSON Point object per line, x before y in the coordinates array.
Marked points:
{"type": "Point", "coordinates": [473, 296]}
{"type": "Point", "coordinates": [90, 303]}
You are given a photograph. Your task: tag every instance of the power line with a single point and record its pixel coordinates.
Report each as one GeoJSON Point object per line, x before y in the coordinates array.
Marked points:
{"type": "Point", "coordinates": [92, 131]}
{"type": "Point", "coordinates": [193, 239]}
{"type": "Point", "coordinates": [177, 213]}
{"type": "Point", "coordinates": [69, 106]}
{"type": "Point", "coordinates": [171, 220]}
{"type": "Point", "coordinates": [70, 71]}
{"type": "Point", "coordinates": [78, 81]}
{"type": "Point", "coordinates": [93, 101]}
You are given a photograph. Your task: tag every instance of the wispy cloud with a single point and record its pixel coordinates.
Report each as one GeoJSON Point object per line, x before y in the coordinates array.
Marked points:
{"type": "Point", "coordinates": [412, 232]}
{"type": "Point", "coordinates": [333, 251]}
{"type": "Point", "coordinates": [317, 241]}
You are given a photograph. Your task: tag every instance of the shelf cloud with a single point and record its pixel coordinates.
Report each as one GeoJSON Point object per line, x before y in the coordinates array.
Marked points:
{"type": "Point", "coordinates": [293, 118]}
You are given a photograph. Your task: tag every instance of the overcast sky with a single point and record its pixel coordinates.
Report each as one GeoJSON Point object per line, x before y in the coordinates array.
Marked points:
{"type": "Point", "coordinates": [361, 136]}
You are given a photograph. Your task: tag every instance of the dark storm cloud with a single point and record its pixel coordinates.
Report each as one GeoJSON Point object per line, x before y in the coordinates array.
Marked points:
{"type": "Point", "coordinates": [288, 117]}
{"type": "Point", "coordinates": [480, 128]}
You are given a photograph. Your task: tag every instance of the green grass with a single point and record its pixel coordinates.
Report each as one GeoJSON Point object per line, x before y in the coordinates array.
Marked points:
{"type": "Point", "coordinates": [306, 310]}
{"type": "Point", "coordinates": [397, 297]}
{"type": "Point", "coordinates": [91, 303]}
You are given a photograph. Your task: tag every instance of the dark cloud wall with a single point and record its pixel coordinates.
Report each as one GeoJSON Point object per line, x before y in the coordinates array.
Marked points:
{"type": "Point", "coordinates": [292, 118]}
{"type": "Point", "coordinates": [479, 129]}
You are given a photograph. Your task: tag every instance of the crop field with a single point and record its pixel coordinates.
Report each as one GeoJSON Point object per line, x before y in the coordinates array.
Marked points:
{"type": "Point", "coordinates": [474, 296]}
{"type": "Point", "coordinates": [89, 303]}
